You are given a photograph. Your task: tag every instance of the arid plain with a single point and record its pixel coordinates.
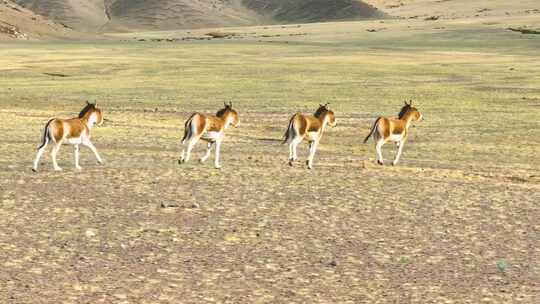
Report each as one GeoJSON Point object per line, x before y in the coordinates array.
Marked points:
{"type": "Point", "coordinates": [457, 221]}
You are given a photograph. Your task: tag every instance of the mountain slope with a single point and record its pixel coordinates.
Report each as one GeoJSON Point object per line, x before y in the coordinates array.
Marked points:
{"type": "Point", "coordinates": [129, 15]}
{"type": "Point", "coordinates": [174, 14]}
{"type": "Point", "coordinates": [80, 14]}
{"type": "Point", "coordinates": [312, 10]}
{"type": "Point", "coordinates": [19, 23]}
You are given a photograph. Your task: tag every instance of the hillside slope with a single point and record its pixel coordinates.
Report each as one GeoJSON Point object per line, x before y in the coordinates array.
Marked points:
{"type": "Point", "coordinates": [312, 10]}
{"type": "Point", "coordinates": [175, 14]}
{"type": "Point", "coordinates": [19, 23]}
{"type": "Point", "coordinates": [130, 15]}
{"type": "Point", "coordinates": [80, 14]}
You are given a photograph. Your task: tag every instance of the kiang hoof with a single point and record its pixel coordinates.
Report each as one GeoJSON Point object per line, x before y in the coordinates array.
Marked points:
{"type": "Point", "coordinates": [380, 163]}
{"type": "Point", "coordinates": [180, 161]}
{"type": "Point", "coordinates": [34, 170]}
{"type": "Point", "coordinates": [290, 163]}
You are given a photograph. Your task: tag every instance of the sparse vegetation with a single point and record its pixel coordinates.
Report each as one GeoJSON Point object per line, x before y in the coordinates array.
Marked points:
{"type": "Point", "coordinates": [525, 31]}
{"type": "Point", "coordinates": [502, 266]}
{"type": "Point", "coordinates": [404, 260]}
{"type": "Point", "coordinates": [220, 34]}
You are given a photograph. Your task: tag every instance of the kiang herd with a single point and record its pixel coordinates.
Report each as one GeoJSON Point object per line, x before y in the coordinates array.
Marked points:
{"type": "Point", "coordinates": [211, 129]}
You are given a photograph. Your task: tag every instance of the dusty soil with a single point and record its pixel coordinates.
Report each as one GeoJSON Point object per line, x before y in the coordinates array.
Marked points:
{"type": "Point", "coordinates": [142, 229]}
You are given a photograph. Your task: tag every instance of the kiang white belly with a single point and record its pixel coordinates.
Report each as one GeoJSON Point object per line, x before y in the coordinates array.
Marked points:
{"type": "Point", "coordinates": [395, 137]}
{"type": "Point", "coordinates": [313, 136]}
{"type": "Point", "coordinates": [212, 136]}
{"type": "Point", "coordinates": [74, 140]}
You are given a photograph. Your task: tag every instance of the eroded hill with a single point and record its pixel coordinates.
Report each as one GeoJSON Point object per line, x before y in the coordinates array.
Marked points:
{"type": "Point", "coordinates": [20, 23]}
{"type": "Point", "coordinates": [312, 10]}
{"type": "Point", "coordinates": [174, 14]}
{"type": "Point", "coordinates": [128, 15]}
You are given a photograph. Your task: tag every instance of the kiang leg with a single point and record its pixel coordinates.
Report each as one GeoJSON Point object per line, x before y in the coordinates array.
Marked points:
{"type": "Point", "coordinates": [186, 152]}
{"type": "Point", "coordinates": [89, 144]}
{"type": "Point", "coordinates": [182, 156]}
{"type": "Point", "coordinates": [218, 148]}
{"type": "Point", "coordinates": [54, 152]}
{"type": "Point", "coordinates": [398, 155]}
{"type": "Point", "coordinates": [208, 151]}
{"type": "Point", "coordinates": [290, 153]}
{"type": "Point", "coordinates": [193, 135]}
{"type": "Point", "coordinates": [294, 144]}
{"type": "Point", "coordinates": [76, 152]}
{"type": "Point", "coordinates": [312, 149]}
{"type": "Point", "coordinates": [191, 145]}
{"type": "Point", "coordinates": [378, 147]}
{"type": "Point", "coordinates": [38, 157]}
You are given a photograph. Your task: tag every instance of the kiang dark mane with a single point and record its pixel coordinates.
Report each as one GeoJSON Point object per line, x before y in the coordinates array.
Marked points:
{"type": "Point", "coordinates": [86, 109]}
{"type": "Point", "coordinates": [405, 109]}
{"type": "Point", "coordinates": [222, 112]}
{"type": "Point", "coordinates": [323, 109]}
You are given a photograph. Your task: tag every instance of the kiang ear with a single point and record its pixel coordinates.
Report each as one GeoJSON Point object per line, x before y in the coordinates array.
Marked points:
{"type": "Point", "coordinates": [230, 104]}
{"type": "Point", "coordinates": [410, 102]}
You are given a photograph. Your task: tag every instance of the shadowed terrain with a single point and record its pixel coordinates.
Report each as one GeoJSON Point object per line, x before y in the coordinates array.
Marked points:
{"type": "Point", "coordinates": [312, 10]}
{"type": "Point", "coordinates": [132, 15]}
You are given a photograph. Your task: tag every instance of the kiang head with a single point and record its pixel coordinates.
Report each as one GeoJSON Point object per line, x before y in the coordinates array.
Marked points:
{"type": "Point", "coordinates": [229, 115]}
{"type": "Point", "coordinates": [327, 114]}
{"type": "Point", "coordinates": [410, 111]}
{"type": "Point", "coordinates": [92, 113]}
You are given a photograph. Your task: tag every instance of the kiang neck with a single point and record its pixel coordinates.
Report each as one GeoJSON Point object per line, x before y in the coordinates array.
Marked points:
{"type": "Point", "coordinates": [408, 119]}
{"type": "Point", "coordinates": [323, 120]}
{"type": "Point", "coordinates": [89, 119]}
{"type": "Point", "coordinates": [225, 119]}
